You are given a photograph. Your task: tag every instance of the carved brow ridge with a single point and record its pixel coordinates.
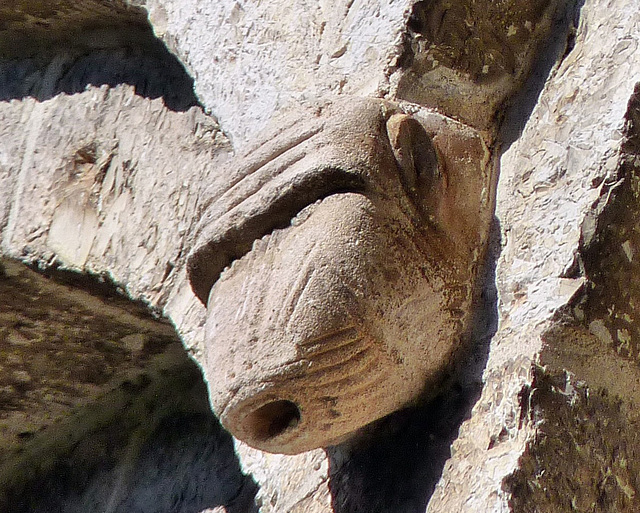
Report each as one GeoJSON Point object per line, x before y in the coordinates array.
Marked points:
{"type": "Point", "coordinates": [263, 161]}
{"type": "Point", "coordinates": [228, 236]}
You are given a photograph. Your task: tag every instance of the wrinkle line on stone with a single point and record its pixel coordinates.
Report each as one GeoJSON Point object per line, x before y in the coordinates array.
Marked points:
{"type": "Point", "coordinates": [268, 152]}
{"type": "Point", "coordinates": [279, 147]}
{"type": "Point", "coordinates": [297, 292]}
{"type": "Point", "coordinates": [348, 357]}
{"type": "Point", "coordinates": [255, 181]}
{"type": "Point", "coordinates": [352, 381]}
{"type": "Point", "coordinates": [247, 297]}
{"type": "Point", "coordinates": [293, 299]}
{"type": "Point", "coordinates": [333, 340]}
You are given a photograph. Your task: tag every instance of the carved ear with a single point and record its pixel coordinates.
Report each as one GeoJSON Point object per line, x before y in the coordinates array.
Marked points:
{"type": "Point", "coordinates": [416, 156]}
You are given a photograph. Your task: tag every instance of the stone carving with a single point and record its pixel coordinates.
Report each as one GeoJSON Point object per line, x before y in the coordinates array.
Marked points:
{"type": "Point", "coordinates": [337, 267]}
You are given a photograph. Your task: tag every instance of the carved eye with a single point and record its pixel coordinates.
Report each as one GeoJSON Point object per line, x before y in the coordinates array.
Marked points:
{"type": "Point", "coordinates": [417, 159]}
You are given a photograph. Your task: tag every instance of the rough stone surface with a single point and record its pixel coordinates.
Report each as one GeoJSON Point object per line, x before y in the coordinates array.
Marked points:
{"type": "Point", "coordinates": [552, 180]}
{"type": "Point", "coordinates": [106, 181]}
{"type": "Point", "coordinates": [266, 56]}
{"type": "Point", "coordinates": [101, 176]}
{"type": "Point", "coordinates": [585, 402]}
{"type": "Point", "coordinates": [270, 56]}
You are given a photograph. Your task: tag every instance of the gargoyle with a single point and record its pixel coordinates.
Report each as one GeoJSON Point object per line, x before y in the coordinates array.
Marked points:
{"type": "Point", "coordinates": [337, 265]}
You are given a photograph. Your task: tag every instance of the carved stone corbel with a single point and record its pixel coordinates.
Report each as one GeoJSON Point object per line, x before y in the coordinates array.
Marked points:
{"type": "Point", "coordinates": [337, 265]}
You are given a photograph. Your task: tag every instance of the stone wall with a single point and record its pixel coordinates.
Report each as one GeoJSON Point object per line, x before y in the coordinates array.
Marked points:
{"type": "Point", "coordinates": [100, 178]}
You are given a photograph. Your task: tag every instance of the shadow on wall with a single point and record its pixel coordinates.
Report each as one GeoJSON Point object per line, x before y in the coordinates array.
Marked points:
{"type": "Point", "coordinates": [181, 461]}
{"type": "Point", "coordinates": [396, 470]}
{"type": "Point", "coordinates": [394, 466]}
{"type": "Point", "coordinates": [552, 52]}
{"type": "Point", "coordinates": [45, 65]}
{"type": "Point", "coordinates": [187, 464]}
{"type": "Point", "coordinates": [144, 440]}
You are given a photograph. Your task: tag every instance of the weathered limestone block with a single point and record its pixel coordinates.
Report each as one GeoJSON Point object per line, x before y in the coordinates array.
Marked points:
{"type": "Point", "coordinates": [554, 181]}
{"type": "Point", "coordinates": [250, 61]}
{"type": "Point", "coordinates": [584, 401]}
{"type": "Point", "coordinates": [85, 195]}
{"type": "Point", "coordinates": [62, 347]}
{"type": "Point", "coordinates": [338, 260]}
{"type": "Point", "coordinates": [481, 52]}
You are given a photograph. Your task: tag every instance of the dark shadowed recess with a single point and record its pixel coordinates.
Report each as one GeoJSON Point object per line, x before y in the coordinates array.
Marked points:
{"type": "Point", "coordinates": [517, 109]}
{"type": "Point", "coordinates": [59, 56]}
{"type": "Point", "coordinates": [142, 441]}
{"type": "Point", "coordinates": [185, 465]}
{"type": "Point", "coordinates": [396, 468]}
{"type": "Point", "coordinates": [395, 464]}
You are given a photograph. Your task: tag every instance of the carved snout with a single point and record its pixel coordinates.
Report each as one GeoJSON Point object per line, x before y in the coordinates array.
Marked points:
{"type": "Point", "coordinates": [338, 380]}
{"type": "Point", "coordinates": [336, 268]}
{"type": "Point", "coordinates": [310, 333]}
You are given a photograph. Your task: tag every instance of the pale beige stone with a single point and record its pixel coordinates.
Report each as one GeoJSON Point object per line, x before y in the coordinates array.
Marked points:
{"type": "Point", "coordinates": [338, 264]}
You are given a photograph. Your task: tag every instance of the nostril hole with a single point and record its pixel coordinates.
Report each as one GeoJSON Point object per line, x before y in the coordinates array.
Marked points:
{"type": "Point", "coordinates": [272, 419]}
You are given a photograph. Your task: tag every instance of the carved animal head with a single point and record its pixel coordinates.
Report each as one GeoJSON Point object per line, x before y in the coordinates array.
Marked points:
{"type": "Point", "coordinates": [337, 266]}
